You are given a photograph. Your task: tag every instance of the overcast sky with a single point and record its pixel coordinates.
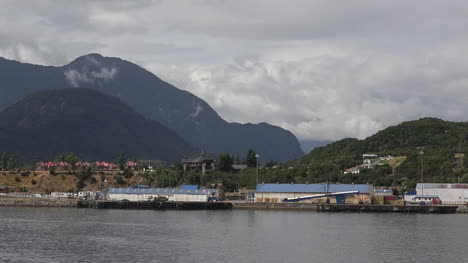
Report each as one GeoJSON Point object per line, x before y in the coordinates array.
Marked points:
{"type": "Point", "coordinates": [322, 69]}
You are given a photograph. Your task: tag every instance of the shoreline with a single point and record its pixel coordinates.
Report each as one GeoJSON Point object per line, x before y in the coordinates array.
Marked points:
{"type": "Point", "coordinates": [353, 208]}
{"type": "Point", "coordinates": [330, 208]}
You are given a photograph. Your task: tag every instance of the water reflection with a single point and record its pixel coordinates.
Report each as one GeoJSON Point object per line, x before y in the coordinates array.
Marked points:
{"type": "Point", "coordinates": [87, 235]}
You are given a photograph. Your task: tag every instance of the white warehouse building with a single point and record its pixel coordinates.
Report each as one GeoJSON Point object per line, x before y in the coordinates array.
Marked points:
{"type": "Point", "coordinates": [172, 194]}
{"type": "Point", "coordinates": [447, 193]}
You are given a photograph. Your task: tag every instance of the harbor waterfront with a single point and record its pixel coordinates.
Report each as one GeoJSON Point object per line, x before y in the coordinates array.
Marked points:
{"type": "Point", "coordinates": [165, 205]}
{"type": "Point", "coordinates": [364, 208]}
{"type": "Point", "coordinates": [109, 235]}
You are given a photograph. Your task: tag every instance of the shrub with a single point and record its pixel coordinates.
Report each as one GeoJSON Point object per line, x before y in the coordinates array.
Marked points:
{"type": "Point", "coordinates": [52, 172]}
{"type": "Point", "coordinates": [17, 179]}
{"type": "Point", "coordinates": [81, 184]}
{"type": "Point", "coordinates": [33, 182]}
{"type": "Point", "coordinates": [85, 174]}
{"type": "Point", "coordinates": [92, 180]}
{"type": "Point", "coordinates": [25, 174]}
{"type": "Point", "coordinates": [127, 173]}
{"type": "Point", "coordinates": [119, 180]}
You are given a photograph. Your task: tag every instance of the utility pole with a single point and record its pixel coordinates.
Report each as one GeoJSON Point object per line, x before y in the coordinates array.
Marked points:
{"type": "Point", "coordinates": [256, 157]}
{"type": "Point", "coordinates": [422, 173]}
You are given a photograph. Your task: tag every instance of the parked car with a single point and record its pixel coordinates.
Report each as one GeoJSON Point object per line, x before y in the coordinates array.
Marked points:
{"type": "Point", "coordinates": [426, 200]}
{"type": "Point", "coordinates": [159, 198]}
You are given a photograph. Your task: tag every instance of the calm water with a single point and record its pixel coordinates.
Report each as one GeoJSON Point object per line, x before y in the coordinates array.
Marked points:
{"type": "Point", "coordinates": [88, 235]}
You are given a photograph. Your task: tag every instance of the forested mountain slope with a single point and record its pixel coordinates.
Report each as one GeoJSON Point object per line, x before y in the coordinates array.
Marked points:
{"type": "Point", "coordinates": [93, 125]}
{"type": "Point", "coordinates": [189, 116]}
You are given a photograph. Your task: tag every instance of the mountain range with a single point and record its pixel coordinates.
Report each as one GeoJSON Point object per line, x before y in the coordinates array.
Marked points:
{"type": "Point", "coordinates": [179, 110]}
{"type": "Point", "coordinates": [89, 123]}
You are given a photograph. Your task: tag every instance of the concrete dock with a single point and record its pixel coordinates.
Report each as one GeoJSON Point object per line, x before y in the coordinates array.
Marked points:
{"type": "Point", "coordinates": [429, 209]}
{"type": "Point", "coordinates": [362, 208]}
{"type": "Point", "coordinates": [276, 206]}
{"type": "Point", "coordinates": [154, 205]}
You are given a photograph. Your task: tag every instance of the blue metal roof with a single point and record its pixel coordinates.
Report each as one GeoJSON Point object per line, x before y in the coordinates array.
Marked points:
{"type": "Point", "coordinates": [192, 187]}
{"type": "Point", "coordinates": [141, 186]}
{"type": "Point", "coordinates": [161, 191]}
{"type": "Point", "coordinates": [312, 188]}
{"type": "Point", "coordinates": [410, 193]}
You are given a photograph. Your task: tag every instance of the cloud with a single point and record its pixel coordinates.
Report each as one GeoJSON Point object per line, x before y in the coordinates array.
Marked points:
{"type": "Point", "coordinates": [105, 73]}
{"type": "Point", "coordinates": [330, 97]}
{"type": "Point", "coordinates": [322, 69]}
{"type": "Point", "coordinates": [75, 77]}
{"type": "Point", "coordinates": [196, 111]}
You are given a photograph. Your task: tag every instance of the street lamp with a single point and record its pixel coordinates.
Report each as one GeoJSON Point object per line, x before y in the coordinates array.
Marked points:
{"type": "Point", "coordinates": [256, 157]}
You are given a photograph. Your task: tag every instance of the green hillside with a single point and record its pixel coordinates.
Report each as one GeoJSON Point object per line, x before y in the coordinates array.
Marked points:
{"type": "Point", "coordinates": [439, 140]}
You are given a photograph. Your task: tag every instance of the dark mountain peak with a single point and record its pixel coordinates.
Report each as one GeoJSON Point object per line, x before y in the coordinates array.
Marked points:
{"type": "Point", "coordinates": [91, 69]}
{"type": "Point", "coordinates": [53, 105]}
{"type": "Point", "coordinates": [88, 122]}
{"type": "Point", "coordinates": [89, 58]}
{"type": "Point", "coordinates": [98, 60]}
{"type": "Point", "coordinates": [95, 55]}
{"type": "Point", "coordinates": [189, 116]}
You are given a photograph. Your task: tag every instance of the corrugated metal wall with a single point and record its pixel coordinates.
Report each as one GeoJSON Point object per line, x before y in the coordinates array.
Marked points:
{"type": "Point", "coordinates": [447, 195]}
{"type": "Point", "coordinates": [145, 197]}
{"type": "Point", "coordinates": [279, 197]}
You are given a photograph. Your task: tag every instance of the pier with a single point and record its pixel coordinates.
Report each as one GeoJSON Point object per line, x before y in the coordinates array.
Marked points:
{"type": "Point", "coordinates": [428, 209]}
{"type": "Point", "coordinates": [361, 208]}
{"type": "Point", "coordinates": [156, 205]}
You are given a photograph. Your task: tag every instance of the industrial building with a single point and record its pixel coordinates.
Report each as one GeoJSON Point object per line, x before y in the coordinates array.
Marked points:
{"type": "Point", "coordinates": [277, 193]}
{"type": "Point", "coordinates": [447, 193]}
{"type": "Point", "coordinates": [409, 196]}
{"type": "Point", "coordinates": [172, 194]}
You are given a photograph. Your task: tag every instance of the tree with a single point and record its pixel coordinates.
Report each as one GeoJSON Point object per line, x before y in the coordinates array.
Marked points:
{"type": "Point", "coordinates": [225, 162]}
{"type": "Point", "coordinates": [121, 161]}
{"type": "Point", "coordinates": [271, 164]}
{"type": "Point", "coordinates": [69, 158]}
{"type": "Point", "coordinates": [251, 160]}
{"type": "Point", "coordinates": [191, 178]}
{"type": "Point", "coordinates": [7, 162]}
{"type": "Point", "coordinates": [60, 158]}
{"type": "Point", "coordinates": [11, 164]}
{"type": "Point", "coordinates": [4, 161]}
